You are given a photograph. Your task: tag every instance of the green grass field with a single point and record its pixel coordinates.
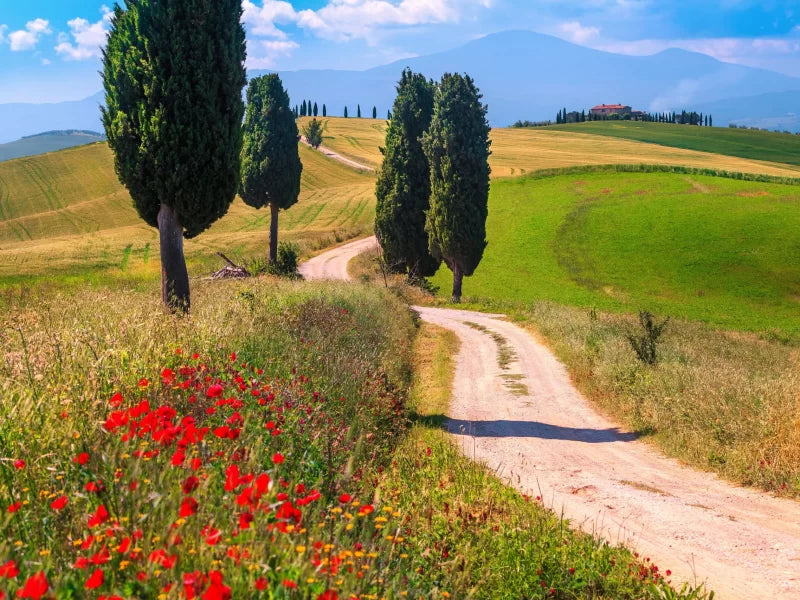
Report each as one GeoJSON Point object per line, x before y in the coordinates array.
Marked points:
{"type": "Point", "coordinates": [717, 250]}
{"type": "Point", "coordinates": [757, 145]}
{"type": "Point", "coordinates": [65, 214]}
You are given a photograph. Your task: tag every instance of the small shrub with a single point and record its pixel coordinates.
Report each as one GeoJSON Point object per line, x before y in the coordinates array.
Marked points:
{"type": "Point", "coordinates": [313, 133]}
{"type": "Point", "coordinates": [286, 265]}
{"type": "Point", "coordinates": [644, 343]}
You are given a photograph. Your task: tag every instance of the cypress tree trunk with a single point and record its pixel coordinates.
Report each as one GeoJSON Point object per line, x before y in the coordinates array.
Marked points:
{"type": "Point", "coordinates": [174, 277]}
{"type": "Point", "coordinates": [458, 276]}
{"type": "Point", "coordinates": [273, 233]}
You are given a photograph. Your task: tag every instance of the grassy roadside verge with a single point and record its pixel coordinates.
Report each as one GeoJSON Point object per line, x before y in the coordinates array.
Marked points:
{"type": "Point", "coordinates": [487, 539]}
{"type": "Point", "coordinates": [261, 448]}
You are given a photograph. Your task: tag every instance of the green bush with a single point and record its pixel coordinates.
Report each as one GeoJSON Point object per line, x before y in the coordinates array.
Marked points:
{"type": "Point", "coordinates": [644, 343]}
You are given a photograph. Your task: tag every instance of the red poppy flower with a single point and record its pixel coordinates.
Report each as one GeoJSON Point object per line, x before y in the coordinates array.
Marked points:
{"type": "Point", "coordinates": [19, 464]}
{"type": "Point", "coordinates": [261, 583]}
{"type": "Point", "coordinates": [35, 587]}
{"type": "Point", "coordinates": [116, 400]}
{"type": "Point", "coordinates": [288, 583]}
{"type": "Point", "coordinates": [188, 507]}
{"type": "Point", "coordinates": [366, 509]}
{"type": "Point", "coordinates": [190, 484]}
{"type": "Point", "coordinates": [96, 580]}
{"type": "Point", "coordinates": [328, 595]}
{"type": "Point", "coordinates": [9, 570]}
{"type": "Point", "coordinates": [215, 391]}
{"type": "Point", "coordinates": [216, 589]}
{"type": "Point", "coordinates": [82, 458]}
{"type": "Point", "coordinates": [15, 507]}
{"type": "Point", "coordinates": [167, 376]}
{"type": "Point", "coordinates": [143, 382]}
{"type": "Point", "coordinates": [277, 458]}
{"type": "Point", "coordinates": [100, 516]}
{"type": "Point", "coordinates": [345, 498]}
{"type": "Point", "coordinates": [59, 503]}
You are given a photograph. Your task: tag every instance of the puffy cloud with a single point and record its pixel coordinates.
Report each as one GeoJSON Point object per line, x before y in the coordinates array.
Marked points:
{"type": "Point", "coordinates": [261, 20]}
{"type": "Point", "coordinates": [28, 38]}
{"type": "Point", "coordinates": [577, 33]}
{"type": "Point", "coordinates": [270, 51]}
{"type": "Point", "coordinates": [89, 38]}
{"type": "Point", "coordinates": [344, 20]}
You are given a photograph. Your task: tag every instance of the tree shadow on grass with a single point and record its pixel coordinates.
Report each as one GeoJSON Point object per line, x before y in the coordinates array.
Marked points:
{"type": "Point", "coordinates": [525, 429]}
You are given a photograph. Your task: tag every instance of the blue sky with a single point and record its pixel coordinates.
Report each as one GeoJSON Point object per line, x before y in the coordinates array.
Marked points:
{"type": "Point", "coordinates": [49, 49]}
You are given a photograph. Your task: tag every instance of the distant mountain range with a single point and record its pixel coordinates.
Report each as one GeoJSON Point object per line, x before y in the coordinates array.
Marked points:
{"type": "Point", "coordinates": [49, 141]}
{"type": "Point", "coordinates": [523, 75]}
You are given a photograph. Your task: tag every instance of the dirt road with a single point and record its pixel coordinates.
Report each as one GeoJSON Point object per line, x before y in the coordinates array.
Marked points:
{"type": "Point", "coordinates": [334, 156]}
{"type": "Point", "coordinates": [528, 423]}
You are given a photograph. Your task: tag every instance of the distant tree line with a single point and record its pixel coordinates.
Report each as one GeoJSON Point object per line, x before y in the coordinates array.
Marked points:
{"type": "Point", "coordinates": [311, 109]}
{"type": "Point", "coordinates": [564, 117]}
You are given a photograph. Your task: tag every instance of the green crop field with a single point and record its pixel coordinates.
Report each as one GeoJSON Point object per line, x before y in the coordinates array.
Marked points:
{"type": "Point", "coordinates": [705, 248]}
{"type": "Point", "coordinates": [744, 143]}
{"type": "Point", "coordinates": [66, 213]}
{"type": "Point", "coordinates": [517, 152]}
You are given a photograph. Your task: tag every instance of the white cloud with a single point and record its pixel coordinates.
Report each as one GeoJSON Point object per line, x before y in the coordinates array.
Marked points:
{"type": "Point", "coordinates": [261, 20]}
{"type": "Point", "coordinates": [28, 38]}
{"type": "Point", "coordinates": [578, 33]}
{"type": "Point", "coordinates": [45, 62]}
{"type": "Point", "coordinates": [89, 38]}
{"type": "Point", "coordinates": [343, 20]}
{"type": "Point", "coordinates": [271, 50]}
{"type": "Point", "coordinates": [3, 29]}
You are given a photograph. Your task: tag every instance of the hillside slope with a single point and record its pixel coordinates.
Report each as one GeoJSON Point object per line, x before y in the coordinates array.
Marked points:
{"type": "Point", "coordinates": [744, 143]}
{"type": "Point", "coordinates": [66, 212]}
{"type": "Point", "coordinates": [50, 141]}
{"type": "Point", "coordinates": [519, 151]}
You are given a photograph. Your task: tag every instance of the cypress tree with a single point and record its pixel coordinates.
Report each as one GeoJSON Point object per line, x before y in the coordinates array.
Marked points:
{"type": "Point", "coordinates": [388, 115]}
{"type": "Point", "coordinates": [374, 112]}
{"type": "Point", "coordinates": [316, 110]}
{"type": "Point", "coordinates": [345, 112]}
{"type": "Point", "coordinates": [173, 73]}
{"type": "Point", "coordinates": [457, 146]}
{"type": "Point", "coordinates": [303, 109]}
{"type": "Point", "coordinates": [710, 121]}
{"type": "Point", "coordinates": [324, 111]}
{"type": "Point", "coordinates": [271, 168]}
{"type": "Point", "coordinates": [404, 181]}
{"type": "Point", "coordinates": [359, 111]}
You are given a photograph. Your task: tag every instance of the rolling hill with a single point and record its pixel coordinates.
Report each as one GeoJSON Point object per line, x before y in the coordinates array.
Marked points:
{"type": "Point", "coordinates": [744, 143]}
{"type": "Point", "coordinates": [519, 151]}
{"type": "Point", "coordinates": [64, 214]}
{"type": "Point", "coordinates": [523, 75]}
{"type": "Point", "coordinates": [710, 249]}
{"type": "Point", "coordinates": [49, 141]}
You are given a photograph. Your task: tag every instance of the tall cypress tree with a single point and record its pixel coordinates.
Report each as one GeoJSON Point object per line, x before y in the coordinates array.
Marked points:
{"type": "Point", "coordinates": [345, 112]}
{"type": "Point", "coordinates": [271, 167]}
{"type": "Point", "coordinates": [457, 146]}
{"type": "Point", "coordinates": [316, 110]}
{"type": "Point", "coordinates": [173, 73]}
{"type": "Point", "coordinates": [324, 111]}
{"type": "Point", "coordinates": [303, 109]}
{"type": "Point", "coordinates": [404, 181]}
{"type": "Point", "coordinates": [374, 112]}
{"type": "Point", "coordinates": [359, 111]}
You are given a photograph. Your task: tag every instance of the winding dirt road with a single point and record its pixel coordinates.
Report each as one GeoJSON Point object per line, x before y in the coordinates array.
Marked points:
{"type": "Point", "coordinates": [338, 157]}
{"type": "Point", "coordinates": [528, 423]}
